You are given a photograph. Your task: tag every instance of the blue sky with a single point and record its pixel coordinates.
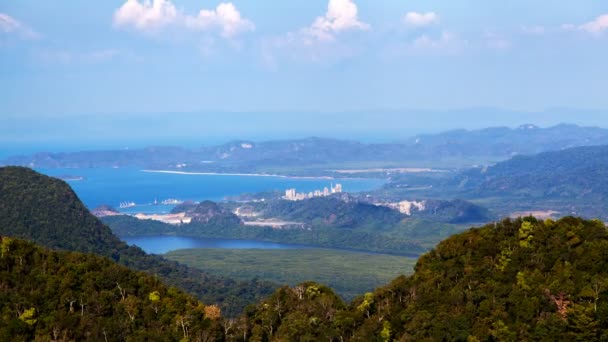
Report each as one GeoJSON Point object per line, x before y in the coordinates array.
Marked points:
{"type": "Point", "coordinates": [81, 61]}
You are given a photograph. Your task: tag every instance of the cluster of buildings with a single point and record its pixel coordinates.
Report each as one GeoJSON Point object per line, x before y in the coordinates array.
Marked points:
{"type": "Point", "coordinates": [292, 195]}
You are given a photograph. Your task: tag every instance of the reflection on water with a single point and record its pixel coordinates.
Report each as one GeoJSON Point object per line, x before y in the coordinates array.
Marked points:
{"type": "Point", "coordinates": [164, 244]}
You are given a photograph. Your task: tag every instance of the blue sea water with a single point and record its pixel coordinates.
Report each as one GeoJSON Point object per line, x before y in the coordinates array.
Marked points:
{"type": "Point", "coordinates": [164, 244]}
{"type": "Point", "coordinates": [112, 186]}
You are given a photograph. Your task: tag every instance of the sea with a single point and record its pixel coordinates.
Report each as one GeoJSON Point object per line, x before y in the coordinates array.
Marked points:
{"type": "Point", "coordinates": [112, 186]}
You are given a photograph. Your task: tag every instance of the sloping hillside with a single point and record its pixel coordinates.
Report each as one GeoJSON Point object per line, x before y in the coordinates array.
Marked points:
{"type": "Point", "coordinates": [46, 210]}
{"type": "Point", "coordinates": [518, 280]}
{"type": "Point", "coordinates": [65, 296]}
{"type": "Point", "coordinates": [573, 173]}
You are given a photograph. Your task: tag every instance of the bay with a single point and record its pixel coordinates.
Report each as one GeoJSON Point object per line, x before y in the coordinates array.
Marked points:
{"type": "Point", "coordinates": [112, 186]}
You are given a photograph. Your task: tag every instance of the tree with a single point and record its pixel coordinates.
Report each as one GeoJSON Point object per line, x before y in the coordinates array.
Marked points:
{"type": "Point", "coordinates": [213, 312]}
{"type": "Point", "coordinates": [29, 316]}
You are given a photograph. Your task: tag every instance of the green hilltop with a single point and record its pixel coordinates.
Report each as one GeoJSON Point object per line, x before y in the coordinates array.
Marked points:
{"type": "Point", "coordinates": [46, 211]}
{"type": "Point", "coordinates": [66, 296]}
{"type": "Point", "coordinates": [520, 280]}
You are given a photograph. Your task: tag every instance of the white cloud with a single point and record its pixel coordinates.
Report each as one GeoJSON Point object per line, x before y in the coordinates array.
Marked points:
{"type": "Point", "coordinates": [597, 26]}
{"type": "Point", "coordinates": [317, 43]}
{"type": "Point", "coordinates": [416, 19]}
{"type": "Point", "coordinates": [155, 15]}
{"type": "Point", "coordinates": [225, 17]}
{"type": "Point", "coordinates": [147, 15]}
{"type": "Point", "coordinates": [10, 25]}
{"type": "Point", "coordinates": [341, 16]}
{"type": "Point", "coordinates": [447, 42]}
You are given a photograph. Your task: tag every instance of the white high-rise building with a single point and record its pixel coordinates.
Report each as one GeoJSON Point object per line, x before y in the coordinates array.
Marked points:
{"type": "Point", "coordinates": [336, 189]}
{"type": "Point", "coordinates": [290, 194]}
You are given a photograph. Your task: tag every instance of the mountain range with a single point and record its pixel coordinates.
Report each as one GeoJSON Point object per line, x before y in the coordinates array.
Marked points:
{"type": "Point", "coordinates": [456, 148]}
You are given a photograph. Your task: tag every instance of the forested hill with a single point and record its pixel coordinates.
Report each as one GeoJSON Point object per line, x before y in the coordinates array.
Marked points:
{"type": "Point", "coordinates": [46, 210]}
{"type": "Point", "coordinates": [519, 280]}
{"type": "Point", "coordinates": [67, 296]}
{"type": "Point", "coordinates": [580, 172]}
{"type": "Point", "coordinates": [516, 280]}
{"type": "Point", "coordinates": [453, 148]}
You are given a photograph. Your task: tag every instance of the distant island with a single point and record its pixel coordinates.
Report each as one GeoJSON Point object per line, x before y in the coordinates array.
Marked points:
{"type": "Point", "coordinates": [322, 157]}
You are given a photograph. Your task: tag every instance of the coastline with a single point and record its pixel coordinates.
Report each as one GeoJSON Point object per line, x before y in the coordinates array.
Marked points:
{"type": "Point", "coordinates": [235, 174]}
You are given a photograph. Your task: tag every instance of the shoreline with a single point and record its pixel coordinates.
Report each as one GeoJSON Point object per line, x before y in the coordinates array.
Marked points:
{"type": "Point", "coordinates": [235, 174]}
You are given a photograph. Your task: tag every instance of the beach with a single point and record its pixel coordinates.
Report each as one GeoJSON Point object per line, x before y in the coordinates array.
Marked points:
{"type": "Point", "coordinates": [235, 174]}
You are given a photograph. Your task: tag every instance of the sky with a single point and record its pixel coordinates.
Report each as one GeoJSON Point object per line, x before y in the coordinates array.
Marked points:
{"type": "Point", "coordinates": [195, 70]}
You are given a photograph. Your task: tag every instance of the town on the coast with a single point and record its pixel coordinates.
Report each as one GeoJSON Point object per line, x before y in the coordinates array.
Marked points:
{"type": "Point", "coordinates": [292, 195]}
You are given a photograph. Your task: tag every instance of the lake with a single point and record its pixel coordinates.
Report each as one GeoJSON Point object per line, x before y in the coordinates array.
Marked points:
{"type": "Point", "coordinates": [164, 244]}
{"type": "Point", "coordinates": [112, 186]}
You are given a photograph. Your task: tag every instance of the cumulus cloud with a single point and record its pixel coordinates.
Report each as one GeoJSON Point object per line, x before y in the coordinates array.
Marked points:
{"type": "Point", "coordinates": [225, 17]}
{"type": "Point", "coordinates": [318, 43]}
{"type": "Point", "coordinates": [341, 16]}
{"type": "Point", "coordinates": [416, 19]}
{"type": "Point", "coordinates": [597, 26]}
{"type": "Point", "coordinates": [10, 25]}
{"type": "Point", "coordinates": [147, 15]}
{"type": "Point", "coordinates": [155, 15]}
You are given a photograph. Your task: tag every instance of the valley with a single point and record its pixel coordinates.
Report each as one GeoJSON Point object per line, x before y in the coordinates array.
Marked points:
{"type": "Point", "coordinates": [349, 273]}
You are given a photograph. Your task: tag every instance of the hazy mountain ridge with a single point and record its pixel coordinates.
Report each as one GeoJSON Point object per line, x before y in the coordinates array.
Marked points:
{"type": "Point", "coordinates": [457, 148]}
{"type": "Point", "coordinates": [577, 172]}
{"type": "Point", "coordinates": [570, 181]}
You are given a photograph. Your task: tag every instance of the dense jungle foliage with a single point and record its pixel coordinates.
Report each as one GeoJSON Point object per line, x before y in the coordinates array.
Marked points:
{"type": "Point", "coordinates": [45, 210]}
{"type": "Point", "coordinates": [519, 280]}
{"type": "Point", "coordinates": [67, 296]}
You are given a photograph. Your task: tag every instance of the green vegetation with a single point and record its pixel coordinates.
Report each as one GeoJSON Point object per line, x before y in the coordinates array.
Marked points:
{"type": "Point", "coordinates": [516, 280]}
{"type": "Point", "coordinates": [348, 273]}
{"type": "Point", "coordinates": [46, 210]}
{"type": "Point", "coordinates": [332, 222]}
{"type": "Point", "coordinates": [334, 212]}
{"type": "Point", "coordinates": [571, 181]}
{"type": "Point", "coordinates": [327, 237]}
{"type": "Point", "coordinates": [425, 232]}
{"type": "Point", "coordinates": [481, 285]}
{"type": "Point", "coordinates": [66, 296]}
{"type": "Point", "coordinates": [577, 173]}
